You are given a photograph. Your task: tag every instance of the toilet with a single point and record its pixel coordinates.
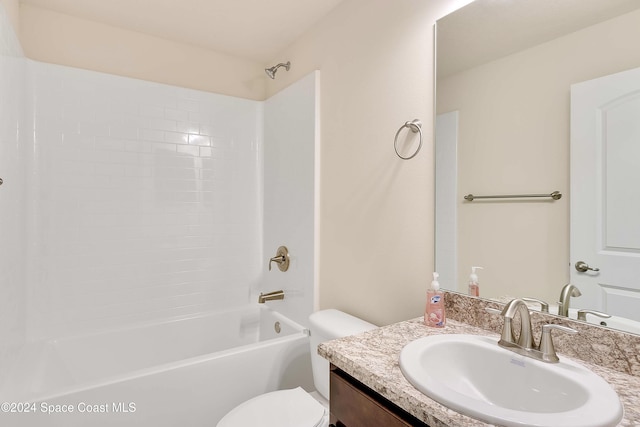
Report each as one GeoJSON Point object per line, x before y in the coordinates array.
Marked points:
{"type": "Point", "coordinates": [295, 407]}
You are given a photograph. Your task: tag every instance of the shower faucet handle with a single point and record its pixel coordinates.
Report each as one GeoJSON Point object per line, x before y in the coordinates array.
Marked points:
{"type": "Point", "coordinates": [281, 258]}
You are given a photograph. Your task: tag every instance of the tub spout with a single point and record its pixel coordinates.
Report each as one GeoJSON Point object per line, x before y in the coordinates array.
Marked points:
{"type": "Point", "coordinates": [270, 296]}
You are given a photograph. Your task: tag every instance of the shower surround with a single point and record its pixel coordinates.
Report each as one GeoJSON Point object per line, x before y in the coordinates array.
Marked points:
{"type": "Point", "coordinates": [128, 203]}
{"type": "Point", "coordinates": [12, 197]}
{"type": "Point", "coordinates": [143, 197]}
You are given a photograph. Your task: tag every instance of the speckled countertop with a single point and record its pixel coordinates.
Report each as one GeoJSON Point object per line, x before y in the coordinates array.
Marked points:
{"type": "Point", "coordinates": [372, 358]}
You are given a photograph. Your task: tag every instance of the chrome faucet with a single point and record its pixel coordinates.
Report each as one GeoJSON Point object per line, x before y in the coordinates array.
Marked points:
{"type": "Point", "coordinates": [567, 292]}
{"type": "Point", "coordinates": [526, 346]}
{"type": "Point", "coordinates": [270, 296]}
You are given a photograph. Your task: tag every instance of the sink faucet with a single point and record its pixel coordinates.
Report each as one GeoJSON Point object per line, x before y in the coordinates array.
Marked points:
{"type": "Point", "coordinates": [567, 292]}
{"type": "Point", "coordinates": [526, 345]}
{"type": "Point", "coordinates": [525, 340]}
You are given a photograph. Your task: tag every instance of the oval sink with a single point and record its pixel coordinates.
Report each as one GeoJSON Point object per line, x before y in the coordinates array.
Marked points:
{"type": "Point", "coordinates": [474, 376]}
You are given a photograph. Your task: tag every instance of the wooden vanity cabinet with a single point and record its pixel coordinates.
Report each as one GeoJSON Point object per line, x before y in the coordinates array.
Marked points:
{"type": "Point", "coordinates": [352, 404]}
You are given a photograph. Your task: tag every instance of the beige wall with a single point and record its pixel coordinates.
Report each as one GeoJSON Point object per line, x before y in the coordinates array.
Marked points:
{"type": "Point", "coordinates": [12, 7]}
{"type": "Point", "coordinates": [376, 211]}
{"type": "Point", "coordinates": [514, 138]}
{"type": "Point", "coordinates": [62, 39]}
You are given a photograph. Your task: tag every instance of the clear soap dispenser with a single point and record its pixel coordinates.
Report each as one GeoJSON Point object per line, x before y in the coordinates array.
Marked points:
{"type": "Point", "coordinates": [474, 283]}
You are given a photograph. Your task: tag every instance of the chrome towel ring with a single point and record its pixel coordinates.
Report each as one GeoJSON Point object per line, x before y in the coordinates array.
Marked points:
{"type": "Point", "coordinates": [416, 127]}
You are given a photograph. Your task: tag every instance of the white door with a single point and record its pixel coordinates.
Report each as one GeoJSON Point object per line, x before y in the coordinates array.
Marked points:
{"type": "Point", "coordinates": [605, 192]}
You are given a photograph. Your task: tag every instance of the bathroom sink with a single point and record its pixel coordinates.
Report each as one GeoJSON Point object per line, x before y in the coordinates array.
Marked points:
{"type": "Point", "coordinates": [474, 376]}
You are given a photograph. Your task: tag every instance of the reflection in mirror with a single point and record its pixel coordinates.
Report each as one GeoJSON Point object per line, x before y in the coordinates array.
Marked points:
{"type": "Point", "coordinates": [505, 72]}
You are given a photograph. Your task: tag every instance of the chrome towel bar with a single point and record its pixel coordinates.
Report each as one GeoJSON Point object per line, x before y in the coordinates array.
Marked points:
{"type": "Point", "coordinates": [556, 195]}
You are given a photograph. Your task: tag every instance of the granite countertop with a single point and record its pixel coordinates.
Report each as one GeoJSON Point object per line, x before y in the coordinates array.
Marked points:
{"type": "Point", "coordinates": [372, 359]}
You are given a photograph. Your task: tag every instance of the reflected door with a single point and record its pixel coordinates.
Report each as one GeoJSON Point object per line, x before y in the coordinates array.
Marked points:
{"type": "Point", "coordinates": [605, 193]}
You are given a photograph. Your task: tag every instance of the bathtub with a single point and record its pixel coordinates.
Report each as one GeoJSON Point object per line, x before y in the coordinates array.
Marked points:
{"type": "Point", "coordinates": [187, 372]}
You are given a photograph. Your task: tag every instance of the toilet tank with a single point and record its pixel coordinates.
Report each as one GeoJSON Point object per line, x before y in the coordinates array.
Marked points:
{"type": "Point", "coordinates": [327, 325]}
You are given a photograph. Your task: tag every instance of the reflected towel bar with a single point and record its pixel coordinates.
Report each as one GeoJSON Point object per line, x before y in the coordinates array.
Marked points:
{"type": "Point", "coordinates": [556, 195]}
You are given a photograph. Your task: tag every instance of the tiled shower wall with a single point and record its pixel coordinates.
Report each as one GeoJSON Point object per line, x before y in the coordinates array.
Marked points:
{"type": "Point", "coordinates": [145, 201]}
{"type": "Point", "coordinates": [12, 196]}
{"type": "Point", "coordinates": [126, 201]}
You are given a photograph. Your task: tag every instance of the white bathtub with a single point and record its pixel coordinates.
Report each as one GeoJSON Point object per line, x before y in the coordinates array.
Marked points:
{"type": "Point", "coordinates": [188, 372]}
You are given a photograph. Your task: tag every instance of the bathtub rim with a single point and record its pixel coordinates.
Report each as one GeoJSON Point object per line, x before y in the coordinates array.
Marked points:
{"type": "Point", "coordinates": [180, 318]}
{"type": "Point", "coordinates": [300, 333]}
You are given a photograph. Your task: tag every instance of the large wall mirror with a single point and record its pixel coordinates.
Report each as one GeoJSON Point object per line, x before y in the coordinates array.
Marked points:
{"type": "Point", "coordinates": [506, 71]}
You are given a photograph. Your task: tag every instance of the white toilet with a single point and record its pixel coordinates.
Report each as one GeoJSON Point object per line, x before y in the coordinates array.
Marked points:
{"type": "Point", "coordinates": [296, 407]}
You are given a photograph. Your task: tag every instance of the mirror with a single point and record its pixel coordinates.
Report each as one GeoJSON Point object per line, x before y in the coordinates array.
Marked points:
{"type": "Point", "coordinates": [504, 72]}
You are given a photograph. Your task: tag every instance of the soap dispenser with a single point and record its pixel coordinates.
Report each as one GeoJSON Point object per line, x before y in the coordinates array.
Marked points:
{"type": "Point", "coordinates": [474, 284]}
{"type": "Point", "coordinates": [434, 314]}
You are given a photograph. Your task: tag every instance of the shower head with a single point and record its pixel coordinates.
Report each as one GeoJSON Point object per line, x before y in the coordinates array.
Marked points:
{"type": "Point", "coordinates": [271, 72]}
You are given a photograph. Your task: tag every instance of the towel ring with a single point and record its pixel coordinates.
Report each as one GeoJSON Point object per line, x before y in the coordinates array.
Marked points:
{"type": "Point", "coordinates": [416, 127]}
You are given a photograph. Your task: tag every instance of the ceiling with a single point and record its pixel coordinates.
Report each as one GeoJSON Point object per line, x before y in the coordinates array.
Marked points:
{"type": "Point", "coordinates": [474, 34]}
{"type": "Point", "coordinates": [251, 29]}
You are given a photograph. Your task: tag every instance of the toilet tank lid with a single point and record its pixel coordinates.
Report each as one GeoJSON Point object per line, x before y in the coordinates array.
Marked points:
{"type": "Point", "coordinates": [332, 323]}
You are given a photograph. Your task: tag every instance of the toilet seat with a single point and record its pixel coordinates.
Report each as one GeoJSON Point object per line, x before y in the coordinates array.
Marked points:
{"type": "Point", "coordinates": [282, 408]}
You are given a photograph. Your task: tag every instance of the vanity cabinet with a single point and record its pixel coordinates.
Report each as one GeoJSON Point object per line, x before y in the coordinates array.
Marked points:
{"type": "Point", "coordinates": [355, 405]}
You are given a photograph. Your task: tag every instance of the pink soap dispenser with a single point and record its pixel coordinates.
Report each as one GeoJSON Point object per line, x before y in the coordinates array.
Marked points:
{"type": "Point", "coordinates": [434, 314]}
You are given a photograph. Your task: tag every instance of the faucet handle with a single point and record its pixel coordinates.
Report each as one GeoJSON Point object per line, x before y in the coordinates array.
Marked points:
{"type": "Point", "coordinates": [506, 336]}
{"type": "Point", "coordinates": [582, 314]}
{"type": "Point", "coordinates": [546, 343]}
{"type": "Point", "coordinates": [281, 258]}
{"type": "Point", "coordinates": [544, 307]}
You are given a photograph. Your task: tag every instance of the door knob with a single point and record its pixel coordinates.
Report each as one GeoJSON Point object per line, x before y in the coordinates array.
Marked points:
{"type": "Point", "coordinates": [583, 267]}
